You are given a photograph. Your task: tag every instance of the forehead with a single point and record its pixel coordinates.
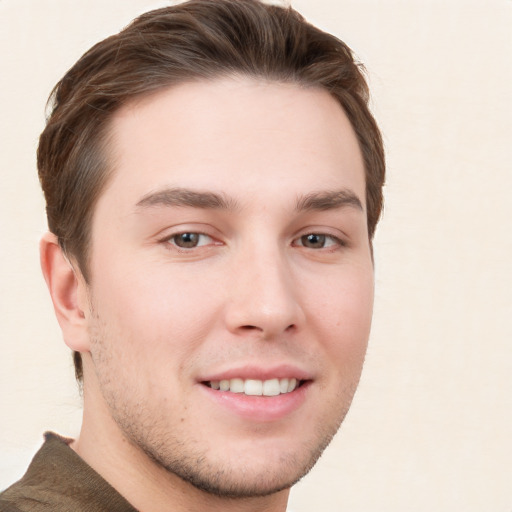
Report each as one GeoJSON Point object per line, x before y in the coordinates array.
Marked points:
{"type": "Point", "coordinates": [240, 136]}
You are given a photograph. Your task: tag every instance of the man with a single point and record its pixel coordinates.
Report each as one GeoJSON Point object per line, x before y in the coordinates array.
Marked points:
{"type": "Point", "coordinates": [213, 179]}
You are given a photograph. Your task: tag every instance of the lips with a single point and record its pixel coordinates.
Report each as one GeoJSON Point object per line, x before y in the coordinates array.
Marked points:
{"type": "Point", "coordinates": [256, 395]}
{"type": "Point", "coordinates": [255, 387]}
{"type": "Point", "coordinates": [258, 386]}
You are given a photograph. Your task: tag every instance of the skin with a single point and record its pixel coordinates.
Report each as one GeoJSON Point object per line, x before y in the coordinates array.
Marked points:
{"type": "Point", "coordinates": [265, 165]}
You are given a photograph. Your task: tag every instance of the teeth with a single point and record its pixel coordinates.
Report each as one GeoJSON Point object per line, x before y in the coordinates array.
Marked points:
{"type": "Point", "coordinates": [271, 387]}
{"type": "Point", "coordinates": [252, 387]}
{"type": "Point", "coordinates": [236, 385]}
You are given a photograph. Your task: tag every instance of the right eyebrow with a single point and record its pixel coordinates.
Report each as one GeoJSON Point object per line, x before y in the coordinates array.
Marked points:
{"type": "Point", "coordinates": [187, 197]}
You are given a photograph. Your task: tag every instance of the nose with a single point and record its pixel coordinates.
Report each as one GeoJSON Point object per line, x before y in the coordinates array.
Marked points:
{"type": "Point", "coordinates": [263, 297]}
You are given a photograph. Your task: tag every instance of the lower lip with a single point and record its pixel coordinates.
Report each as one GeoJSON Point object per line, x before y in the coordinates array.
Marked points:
{"type": "Point", "coordinates": [259, 408]}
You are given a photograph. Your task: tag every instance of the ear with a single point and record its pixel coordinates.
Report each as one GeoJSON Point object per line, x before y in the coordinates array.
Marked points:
{"type": "Point", "coordinates": [68, 292]}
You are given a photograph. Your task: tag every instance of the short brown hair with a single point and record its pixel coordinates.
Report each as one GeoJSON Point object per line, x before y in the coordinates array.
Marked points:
{"type": "Point", "coordinates": [195, 40]}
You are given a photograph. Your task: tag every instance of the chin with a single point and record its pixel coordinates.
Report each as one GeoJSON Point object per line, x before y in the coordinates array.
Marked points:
{"type": "Point", "coordinates": [261, 469]}
{"type": "Point", "coordinates": [241, 482]}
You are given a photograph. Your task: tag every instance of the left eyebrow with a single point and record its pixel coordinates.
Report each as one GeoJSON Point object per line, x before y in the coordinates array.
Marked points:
{"type": "Point", "coordinates": [328, 200]}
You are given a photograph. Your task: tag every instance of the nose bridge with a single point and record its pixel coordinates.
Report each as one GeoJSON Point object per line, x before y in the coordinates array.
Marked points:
{"type": "Point", "coordinates": [264, 296]}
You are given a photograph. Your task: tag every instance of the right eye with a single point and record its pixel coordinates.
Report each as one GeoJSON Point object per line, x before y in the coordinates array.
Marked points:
{"type": "Point", "coordinates": [189, 240]}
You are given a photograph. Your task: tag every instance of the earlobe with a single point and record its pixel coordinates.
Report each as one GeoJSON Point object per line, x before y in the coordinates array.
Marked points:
{"type": "Point", "coordinates": [67, 290]}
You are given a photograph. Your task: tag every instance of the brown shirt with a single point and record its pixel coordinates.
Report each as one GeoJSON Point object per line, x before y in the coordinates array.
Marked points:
{"type": "Point", "coordinates": [58, 480]}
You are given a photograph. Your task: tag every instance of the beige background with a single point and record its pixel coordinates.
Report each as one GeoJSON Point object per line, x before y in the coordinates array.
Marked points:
{"type": "Point", "coordinates": [431, 426]}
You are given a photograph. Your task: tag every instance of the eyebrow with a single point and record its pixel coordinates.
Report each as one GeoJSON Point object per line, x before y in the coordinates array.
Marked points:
{"type": "Point", "coordinates": [187, 197]}
{"type": "Point", "coordinates": [320, 201]}
{"type": "Point", "coordinates": [329, 200]}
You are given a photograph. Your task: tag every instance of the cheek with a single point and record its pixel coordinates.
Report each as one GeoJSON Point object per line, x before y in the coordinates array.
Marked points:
{"type": "Point", "coordinates": [161, 309]}
{"type": "Point", "coordinates": [344, 317]}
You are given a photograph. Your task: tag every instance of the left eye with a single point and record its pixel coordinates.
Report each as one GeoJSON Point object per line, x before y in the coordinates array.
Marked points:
{"type": "Point", "coordinates": [318, 241]}
{"type": "Point", "coordinates": [189, 240]}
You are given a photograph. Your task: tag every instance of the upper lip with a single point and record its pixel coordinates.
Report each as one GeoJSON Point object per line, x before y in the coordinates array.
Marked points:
{"type": "Point", "coordinates": [250, 371]}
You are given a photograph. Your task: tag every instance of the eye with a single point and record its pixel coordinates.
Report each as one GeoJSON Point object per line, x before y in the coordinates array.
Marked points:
{"type": "Point", "coordinates": [318, 241]}
{"type": "Point", "coordinates": [189, 240]}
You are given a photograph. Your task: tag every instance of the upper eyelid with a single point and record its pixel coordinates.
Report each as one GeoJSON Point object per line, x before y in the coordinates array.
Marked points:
{"type": "Point", "coordinates": [170, 231]}
{"type": "Point", "coordinates": [319, 230]}
{"type": "Point", "coordinates": [186, 231]}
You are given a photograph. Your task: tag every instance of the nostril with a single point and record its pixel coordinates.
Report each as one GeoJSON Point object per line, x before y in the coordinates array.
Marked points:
{"type": "Point", "coordinates": [250, 328]}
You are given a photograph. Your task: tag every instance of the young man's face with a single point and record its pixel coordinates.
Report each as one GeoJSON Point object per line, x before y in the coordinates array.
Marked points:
{"type": "Point", "coordinates": [229, 250]}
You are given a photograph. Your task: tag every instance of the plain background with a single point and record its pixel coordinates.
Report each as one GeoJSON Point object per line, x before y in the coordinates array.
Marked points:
{"type": "Point", "coordinates": [431, 425]}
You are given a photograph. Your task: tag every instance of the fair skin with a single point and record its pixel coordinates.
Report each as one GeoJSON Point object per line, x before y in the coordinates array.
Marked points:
{"type": "Point", "coordinates": [230, 246]}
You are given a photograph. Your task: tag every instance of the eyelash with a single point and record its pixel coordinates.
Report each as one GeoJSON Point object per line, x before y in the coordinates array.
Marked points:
{"type": "Point", "coordinates": [332, 241]}
{"type": "Point", "coordinates": [334, 244]}
{"type": "Point", "coordinates": [171, 240]}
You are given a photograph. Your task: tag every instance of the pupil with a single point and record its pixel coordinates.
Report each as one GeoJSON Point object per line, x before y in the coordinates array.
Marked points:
{"type": "Point", "coordinates": [313, 240]}
{"type": "Point", "coordinates": [187, 240]}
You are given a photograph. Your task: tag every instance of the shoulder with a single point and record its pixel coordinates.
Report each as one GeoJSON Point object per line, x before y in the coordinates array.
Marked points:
{"type": "Point", "coordinates": [8, 506]}
{"type": "Point", "coordinates": [59, 480]}
{"type": "Point", "coordinates": [37, 490]}
{"type": "Point", "coordinates": [5, 506]}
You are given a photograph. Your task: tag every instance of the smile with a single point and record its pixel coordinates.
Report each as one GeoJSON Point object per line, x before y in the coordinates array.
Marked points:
{"type": "Point", "coordinates": [253, 387]}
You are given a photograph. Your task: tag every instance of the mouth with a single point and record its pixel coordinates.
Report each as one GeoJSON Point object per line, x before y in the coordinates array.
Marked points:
{"type": "Point", "coordinates": [254, 387]}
